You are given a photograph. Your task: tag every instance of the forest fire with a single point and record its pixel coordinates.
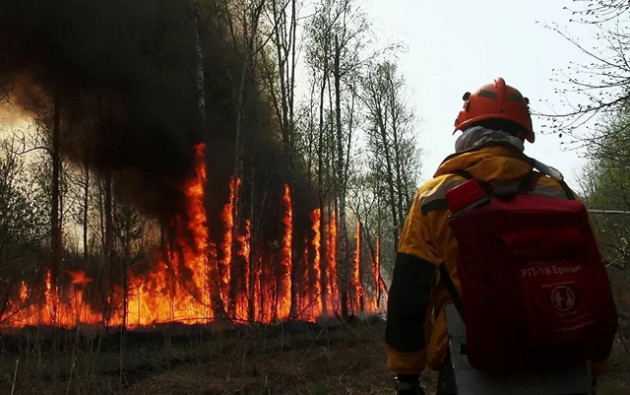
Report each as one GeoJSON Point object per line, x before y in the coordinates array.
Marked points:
{"type": "Point", "coordinates": [180, 286]}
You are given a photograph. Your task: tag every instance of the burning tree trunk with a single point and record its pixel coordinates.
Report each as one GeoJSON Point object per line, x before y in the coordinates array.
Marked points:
{"type": "Point", "coordinates": [109, 245]}
{"type": "Point", "coordinates": [251, 290]}
{"type": "Point", "coordinates": [378, 280]}
{"type": "Point", "coordinates": [213, 277]}
{"type": "Point", "coordinates": [283, 37]}
{"type": "Point", "coordinates": [317, 295]}
{"type": "Point", "coordinates": [356, 274]}
{"type": "Point", "coordinates": [231, 275]}
{"type": "Point", "coordinates": [55, 223]}
{"type": "Point", "coordinates": [288, 302]}
{"type": "Point", "coordinates": [322, 227]}
{"type": "Point", "coordinates": [320, 188]}
{"type": "Point", "coordinates": [332, 281]}
{"type": "Point", "coordinates": [250, 22]}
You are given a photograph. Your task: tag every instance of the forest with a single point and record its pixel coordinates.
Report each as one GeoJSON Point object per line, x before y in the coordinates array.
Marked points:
{"type": "Point", "coordinates": [218, 187]}
{"type": "Point", "coordinates": [178, 172]}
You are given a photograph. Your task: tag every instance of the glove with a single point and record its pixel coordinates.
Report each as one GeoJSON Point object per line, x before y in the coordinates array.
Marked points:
{"type": "Point", "coordinates": [408, 384]}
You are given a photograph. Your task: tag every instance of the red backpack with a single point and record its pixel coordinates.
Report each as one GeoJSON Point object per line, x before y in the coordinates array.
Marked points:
{"type": "Point", "coordinates": [534, 289]}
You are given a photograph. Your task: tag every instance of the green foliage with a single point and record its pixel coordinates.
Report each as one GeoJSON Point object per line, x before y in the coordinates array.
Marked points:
{"type": "Point", "coordinates": [607, 187]}
{"type": "Point", "coordinates": [387, 178]}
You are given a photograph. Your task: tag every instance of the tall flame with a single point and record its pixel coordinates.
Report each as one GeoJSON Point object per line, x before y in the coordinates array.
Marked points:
{"type": "Point", "coordinates": [356, 274]}
{"type": "Point", "coordinates": [317, 295]}
{"type": "Point", "coordinates": [183, 283]}
{"type": "Point", "coordinates": [331, 265]}
{"type": "Point", "coordinates": [284, 303]}
{"type": "Point", "coordinates": [244, 241]}
{"type": "Point", "coordinates": [226, 246]}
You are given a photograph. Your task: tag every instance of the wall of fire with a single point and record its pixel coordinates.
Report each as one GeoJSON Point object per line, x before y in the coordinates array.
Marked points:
{"type": "Point", "coordinates": [247, 248]}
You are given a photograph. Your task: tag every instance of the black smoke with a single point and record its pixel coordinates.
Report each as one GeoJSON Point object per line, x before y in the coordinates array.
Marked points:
{"type": "Point", "coordinates": [123, 73]}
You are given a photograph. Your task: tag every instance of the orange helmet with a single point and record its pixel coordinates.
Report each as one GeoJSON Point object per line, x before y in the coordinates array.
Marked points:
{"type": "Point", "coordinates": [496, 101]}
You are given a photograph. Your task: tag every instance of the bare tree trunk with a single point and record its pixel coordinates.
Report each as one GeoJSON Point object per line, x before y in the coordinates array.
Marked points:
{"type": "Point", "coordinates": [55, 225]}
{"type": "Point", "coordinates": [357, 284]}
{"type": "Point", "coordinates": [395, 110]}
{"type": "Point", "coordinates": [201, 93]}
{"type": "Point", "coordinates": [249, 32]}
{"type": "Point", "coordinates": [293, 313]}
{"type": "Point", "coordinates": [124, 264]}
{"type": "Point", "coordinates": [127, 222]}
{"type": "Point", "coordinates": [101, 217]}
{"type": "Point", "coordinates": [342, 236]}
{"type": "Point", "coordinates": [109, 244]}
{"type": "Point", "coordinates": [377, 270]}
{"type": "Point", "coordinates": [218, 308]}
{"type": "Point", "coordinates": [390, 182]}
{"type": "Point", "coordinates": [285, 37]}
{"type": "Point", "coordinates": [252, 245]}
{"type": "Point", "coordinates": [86, 211]}
{"type": "Point", "coordinates": [322, 201]}
{"type": "Point", "coordinates": [374, 251]}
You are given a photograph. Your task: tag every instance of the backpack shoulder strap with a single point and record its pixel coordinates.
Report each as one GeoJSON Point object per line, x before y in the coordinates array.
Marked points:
{"type": "Point", "coordinates": [555, 174]}
{"type": "Point", "coordinates": [448, 282]}
{"type": "Point", "coordinates": [525, 184]}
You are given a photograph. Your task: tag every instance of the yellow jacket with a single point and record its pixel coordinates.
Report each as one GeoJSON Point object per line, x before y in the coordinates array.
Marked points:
{"type": "Point", "coordinates": [416, 327]}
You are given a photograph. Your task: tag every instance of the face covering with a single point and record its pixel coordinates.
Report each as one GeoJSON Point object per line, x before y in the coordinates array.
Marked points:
{"type": "Point", "coordinates": [479, 135]}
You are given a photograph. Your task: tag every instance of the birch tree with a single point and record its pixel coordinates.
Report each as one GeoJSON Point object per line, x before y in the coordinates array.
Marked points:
{"type": "Point", "coordinates": [280, 80]}
{"type": "Point", "coordinates": [390, 138]}
{"type": "Point", "coordinates": [337, 39]}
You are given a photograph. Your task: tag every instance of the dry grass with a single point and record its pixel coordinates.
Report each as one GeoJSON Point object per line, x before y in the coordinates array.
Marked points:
{"type": "Point", "coordinates": [301, 359]}
{"type": "Point", "coordinates": [287, 359]}
{"type": "Point", "coordinates": [329, 361]}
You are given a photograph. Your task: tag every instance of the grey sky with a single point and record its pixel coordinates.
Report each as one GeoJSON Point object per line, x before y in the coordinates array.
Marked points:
{"type": "Point", "coordinates": [458, 45]}
{"type": "Point", "coordinates": [453, 46]}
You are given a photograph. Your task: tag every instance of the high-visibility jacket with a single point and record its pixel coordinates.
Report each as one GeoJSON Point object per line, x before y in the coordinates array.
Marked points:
{"type": "Point", "coordinates": [416, 327]}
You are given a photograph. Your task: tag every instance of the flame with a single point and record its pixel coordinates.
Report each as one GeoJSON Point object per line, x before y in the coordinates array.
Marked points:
{"type": "Point", "coordinates": [284, 302]}
{"type": "Point", "coordinates": [228, 220]}
{"type": "Point", "coordinates": [183, 281]}
{"type": "Point", "coordinates": [331, 266]}
{"type": "Point", "coordinates": [304, 297]}
{"type": "Point", "coordinates": [244, 252]}
{"type": "Point", "coordinates": [179, 292]}
{"type": "Point", "coordinates": [356, 274]}
{"type": "Point", "coordinates": [78, 277]}
{"type": "Point", "coordinates": [23, 292]}
{"type": "Point", "coordinates": [316, 218]}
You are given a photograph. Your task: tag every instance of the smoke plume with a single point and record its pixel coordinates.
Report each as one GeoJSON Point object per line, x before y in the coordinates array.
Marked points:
{"type": "Point", "coordinates": [123, 73]}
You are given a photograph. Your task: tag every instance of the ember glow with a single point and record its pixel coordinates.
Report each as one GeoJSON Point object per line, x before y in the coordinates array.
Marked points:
{"type": "Point", "coordinates": [355, 284]}
{"type": "Point", "coordinates": [332, 294]}
{"type": "Point", "coordinates": [179, 284]}
{"type": "Point", "coordinates": [284, 302]}
{"type": "Point", "coordinates": [228, 238]}
{"type": "Point", "coordinates": [316, 293]}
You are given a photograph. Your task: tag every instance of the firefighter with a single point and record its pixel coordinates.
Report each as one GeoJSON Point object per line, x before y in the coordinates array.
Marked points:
{"type": "Point", "coordinates": [495, 123]}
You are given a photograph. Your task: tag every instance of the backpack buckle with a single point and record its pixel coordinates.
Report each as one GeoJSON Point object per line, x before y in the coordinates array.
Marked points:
{"type": "Point", "coordinates": [466, 196]}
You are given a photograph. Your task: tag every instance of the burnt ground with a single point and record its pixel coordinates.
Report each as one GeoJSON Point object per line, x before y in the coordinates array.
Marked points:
{"type": "Point", "coordinates": [292, 358]}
